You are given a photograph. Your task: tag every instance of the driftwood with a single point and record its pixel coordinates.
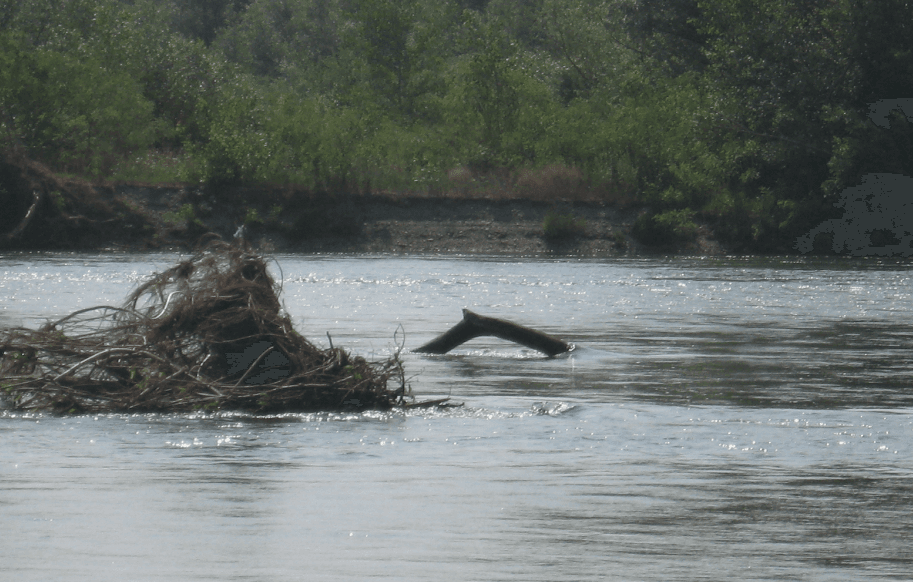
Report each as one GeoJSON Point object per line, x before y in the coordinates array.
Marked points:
{"type": "Point", "coordinates": [474, 325]}
{"type": "Point", "coordinates": [208, 334]}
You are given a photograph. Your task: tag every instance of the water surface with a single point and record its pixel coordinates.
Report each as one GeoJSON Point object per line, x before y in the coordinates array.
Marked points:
{"type": "Point", "coordinates": [720, 419]}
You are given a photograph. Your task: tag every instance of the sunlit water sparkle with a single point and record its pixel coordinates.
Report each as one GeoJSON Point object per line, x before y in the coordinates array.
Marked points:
{"type": "Point", "coordinates": [721, 419]}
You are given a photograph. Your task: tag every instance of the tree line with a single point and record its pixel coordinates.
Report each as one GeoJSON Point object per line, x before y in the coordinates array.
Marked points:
{"type": "Point", "coordinates": [749, 115]}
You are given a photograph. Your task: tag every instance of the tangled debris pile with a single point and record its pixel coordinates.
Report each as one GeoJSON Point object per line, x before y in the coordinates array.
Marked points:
{"type": "Point", "coordinates": [207, 334]}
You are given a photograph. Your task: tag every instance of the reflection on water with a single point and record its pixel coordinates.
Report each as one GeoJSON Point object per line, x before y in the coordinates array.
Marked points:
{"type": "Point", "coordinates": [740, 419]}
{"type": "Point", "coordinates": [669, 493]}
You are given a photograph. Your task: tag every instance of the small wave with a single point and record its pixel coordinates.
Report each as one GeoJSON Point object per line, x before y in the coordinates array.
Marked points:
{"type": "Point", "coordinates": [494, 353]}
{"type": "Point", "coordinates": [551, 408]}
{"type": "Point", "coordinates": [230, 419]}
{"type": "Point", "coordinates": [537, 409]}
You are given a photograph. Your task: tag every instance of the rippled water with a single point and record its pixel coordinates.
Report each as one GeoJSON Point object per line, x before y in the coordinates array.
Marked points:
{"type": "Point", "coordinates": [721, 419]}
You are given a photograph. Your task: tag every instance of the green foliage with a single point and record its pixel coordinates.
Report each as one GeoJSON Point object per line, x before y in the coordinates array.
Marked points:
{"type": "Point", "coordinates": [868, 148]}
{"type": "Point", "coordinates": [252, 217]}
{"type": "Point", "coordinates": [669, 228]}
{"type": "Point", "coordinates": [278, 38]}
{"type": "Point", "coordinates": [784, 75]}
{"type": "Point", "coordinates": [562, 227]}
{"type": "Point", "coordinates": [235, 146]}
{"type": "Point", "coordinates": [490, 90]}
{"type": "Point", "coordinates": [203, 20]}
{"type": "Point", "coordinates": [70, 112]}
{"type": "Point", "coordinates": [383, 35]}
{"type": "Point", "coordinates": [60, 203]}
{"type": "Point", "coordinates": [184, 216]}
{"type": "Point", "coordinates": [753, 115]}
{"type": "Point", "coordinates": [583, 36]}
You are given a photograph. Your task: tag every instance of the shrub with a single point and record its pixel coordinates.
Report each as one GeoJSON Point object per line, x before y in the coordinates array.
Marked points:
{"type": "Point", "coordinates": [668, 228]}
{"type": "Point", "coordinates": [561, 227]}
{"type": "Point", "coordinates": [183, 216]}
{"type": "Point", "coordinates": [252, 218]}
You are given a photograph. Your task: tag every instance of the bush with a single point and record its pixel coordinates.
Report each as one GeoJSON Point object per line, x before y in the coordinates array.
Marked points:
{"type": "Point", "coordinates": [562, 227]}
{"type": "Point", "coordinates": [668, 228]}
{"type": "Point", "coordinates": [185, 216]}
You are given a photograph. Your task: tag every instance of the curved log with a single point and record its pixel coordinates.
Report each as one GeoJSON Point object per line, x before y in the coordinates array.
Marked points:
{"type": "Point", "coordinates": [29, 215]}
{"type": "Point", "coordinates": [474, 325]}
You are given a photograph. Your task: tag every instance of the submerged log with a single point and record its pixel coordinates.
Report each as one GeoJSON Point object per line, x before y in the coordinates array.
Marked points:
{"type": "Point", "coordinates": [474, 325]}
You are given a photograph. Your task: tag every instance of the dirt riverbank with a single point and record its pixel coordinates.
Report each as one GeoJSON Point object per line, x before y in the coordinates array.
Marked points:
{"type": "Point", "coordinates": [296, 222]}
{"type": "Point", "coordinates": [47, 211]}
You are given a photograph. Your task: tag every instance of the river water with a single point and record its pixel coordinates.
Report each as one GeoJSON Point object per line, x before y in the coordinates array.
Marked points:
{"type": "Point", "coordinates": [720, 419]}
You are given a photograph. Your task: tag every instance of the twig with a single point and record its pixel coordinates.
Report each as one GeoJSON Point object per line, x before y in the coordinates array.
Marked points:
{"type": "Point", "coordinates": [92, 358]}
{"type": "Point", "coordinates": [254, 365]}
